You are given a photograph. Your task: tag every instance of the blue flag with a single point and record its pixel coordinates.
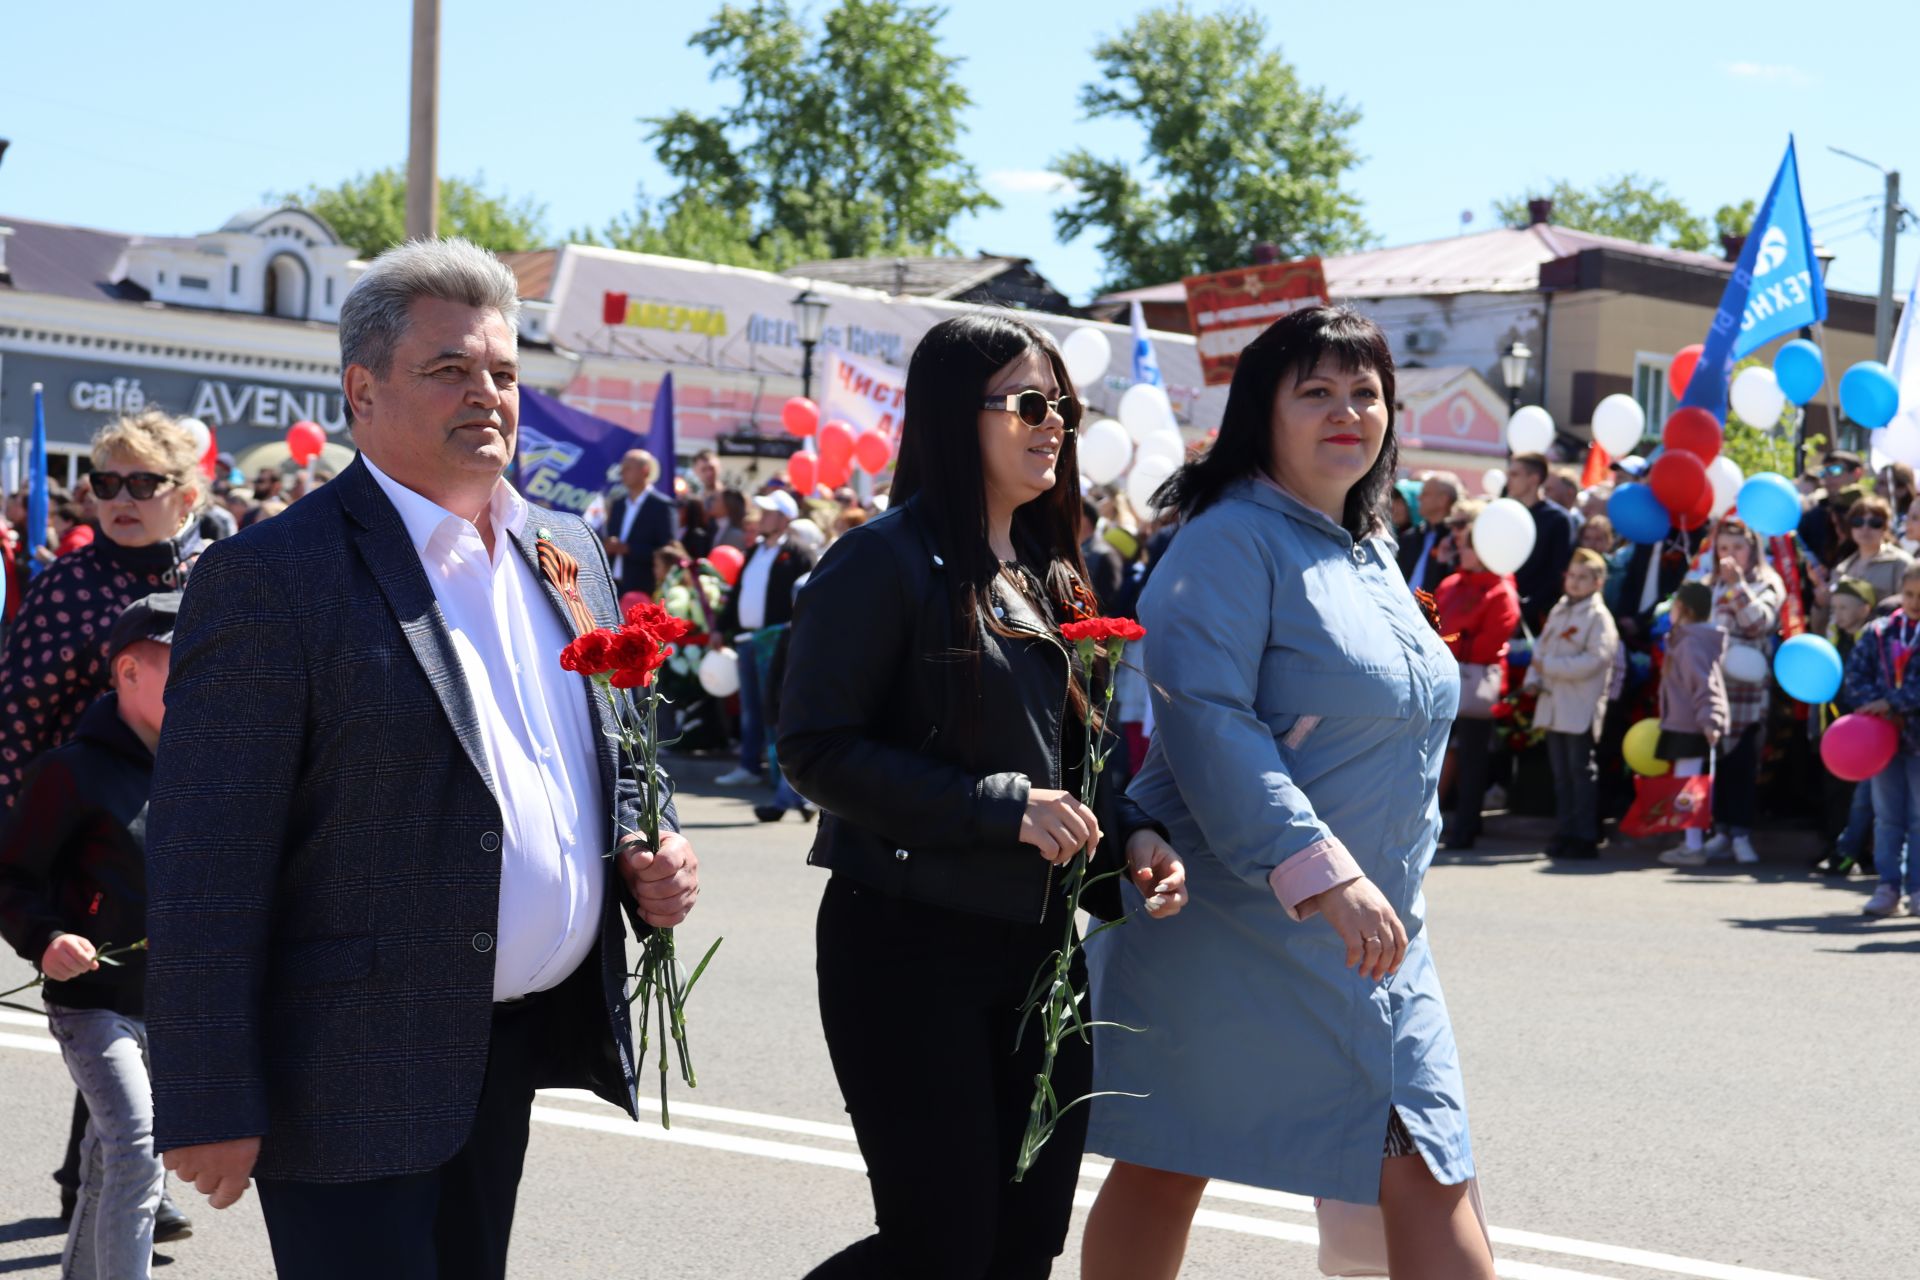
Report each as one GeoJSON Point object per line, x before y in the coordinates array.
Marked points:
{"type": "Point", "coordinates": [659, 440]}
{"type": "Point", "coordinates": [1146, 365]}
{"type": "Point", "coordinates": [37, 514]}
{"type": "Point", "coordinates": [565, 457]}
{"type": "Point", "coordinates": [1776, 289]}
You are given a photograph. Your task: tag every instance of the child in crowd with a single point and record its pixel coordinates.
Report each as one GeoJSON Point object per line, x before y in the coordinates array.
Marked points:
{"type": "Point", "coordinates": [72, 885]}
{"type": "Point", "coordinates": [1877, 685]}
{"type": "Point", "coordinates": [1849, 805]}
{"type": "Point", "coordinates": [1693, 701]}
{"type": "Point", "coordinates": [1572, 666]}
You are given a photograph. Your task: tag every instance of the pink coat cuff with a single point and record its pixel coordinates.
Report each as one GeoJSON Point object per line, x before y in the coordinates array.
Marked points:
{"type": "Point", "coordinates": [1320, 866]}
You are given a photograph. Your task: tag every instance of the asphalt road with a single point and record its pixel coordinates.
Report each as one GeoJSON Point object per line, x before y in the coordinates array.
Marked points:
{"type": "Point", "coordinates": [1703, 1074]}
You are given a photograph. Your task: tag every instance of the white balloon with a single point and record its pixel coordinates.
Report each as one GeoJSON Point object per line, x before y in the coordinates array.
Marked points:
{"type": "Point", "coordinates": [197, 430]}
{"type": "Point", "coordinates": [1746, 665]}
{"type": "Point", "coordinates": [1493, 482]}
{"type": "Point", "coordinates": [1163, 444]}
{"type": "Point", "coordinates": [1104, 451]}
{"type": "Point", "coordinates": [720, 673]}
{"type": "Point", "coordinates": [1086, 353]}
{"type": "Point", "coordinates": [1503, 535]}
{"type": "Point", "coordinates": [1145, 409]}
{"type": "Point", "coordinates": [1618, 424]}
{"type": "Point", "coordinates": [1530, 430]}
{"type": "Point", "coordinates": [1757, 398]}
{"type": "Point", "coordinates": [1723, 473]}
{"type": "Point", "coordinates": [1148, 474]}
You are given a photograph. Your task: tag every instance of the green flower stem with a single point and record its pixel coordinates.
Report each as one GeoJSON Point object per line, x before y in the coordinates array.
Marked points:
{"type": "Point", "coordinates": [110, 958]}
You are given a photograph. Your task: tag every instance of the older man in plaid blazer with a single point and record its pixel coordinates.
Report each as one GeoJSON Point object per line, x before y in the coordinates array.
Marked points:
{"type": "Point", "coordinates": [382, 911]}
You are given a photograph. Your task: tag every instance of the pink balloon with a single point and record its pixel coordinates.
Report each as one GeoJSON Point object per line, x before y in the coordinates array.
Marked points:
{"type": "Point", "coordinates": [800, 416]}
{"type": "Point", "coordinates": [1858, 746]}
{"type": "Point", "coordinates": [873, 452]}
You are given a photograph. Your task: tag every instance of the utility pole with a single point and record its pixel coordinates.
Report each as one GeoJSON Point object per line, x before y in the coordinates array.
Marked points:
{"type": "Point", "coordinates": [423, 181]}
{"type": "Point", "coordinates": [1891, 214]}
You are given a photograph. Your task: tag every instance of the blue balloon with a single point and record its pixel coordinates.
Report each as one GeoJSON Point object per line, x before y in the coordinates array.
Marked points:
{"type": "Point", "coordinates": [1808, 668]}
{"type": "Point", "coordinates": [1799, 370]}
{"type": "Point", "coordinates": [1769, 504]}
{"type": "Point", "coordinates": [1637, 515]}
{"type": "Point", "coordinates": [1869, 395]}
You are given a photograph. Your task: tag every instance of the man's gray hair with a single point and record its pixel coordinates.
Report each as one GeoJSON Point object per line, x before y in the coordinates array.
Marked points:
{"type": "Point", "coordinates": [373, 319]}
{"type": "Point", "coordinates": [1447, 482]}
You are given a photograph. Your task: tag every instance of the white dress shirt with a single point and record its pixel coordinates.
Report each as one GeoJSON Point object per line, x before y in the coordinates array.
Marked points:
{"type": "Point", "coordinates": [538, 733]}
{"type": "Point", "coordinates": [753, 584]}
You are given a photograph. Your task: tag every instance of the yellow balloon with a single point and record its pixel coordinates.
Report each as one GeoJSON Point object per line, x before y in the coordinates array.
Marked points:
{"type": "Point", "coordinates": [1638, 749]}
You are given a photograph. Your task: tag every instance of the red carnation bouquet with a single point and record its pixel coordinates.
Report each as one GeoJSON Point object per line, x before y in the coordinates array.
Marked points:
{"type": "Point", "coordinates": [626, 660]}
{"type": "Point", "coordinates": [1053, 997]}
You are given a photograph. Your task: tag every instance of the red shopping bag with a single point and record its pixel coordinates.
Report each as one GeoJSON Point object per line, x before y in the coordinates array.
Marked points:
{"type": "Point", "coordinates": [1664, 805]}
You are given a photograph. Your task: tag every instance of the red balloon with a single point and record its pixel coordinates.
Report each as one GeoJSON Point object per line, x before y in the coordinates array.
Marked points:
{"type": "Point", "coordinates": [728, 562]}
{"type": "Point", "coordinates": [834, 472]}
{"type": "Point", "coordinates": [836, 448]}
{"type": "Point", "coordinates": [1695, 431]}
{"type": "Point", "coordinates": [1680, 372]}
{"type": "Point", "coordinates": [873, 452]}
{"type": "Point", "coordinates": [1858, 746]}
{"type": "Point", "coordinates": [1701, 513]}
{"type": "Point", "coordinates": [800, 416]}
{"type": "Point", "coordinates": [305, 440]}
{"type": "Point", "coordinates": [1677, 479]}
{"type": "Point", "coordinates": [801, 473]}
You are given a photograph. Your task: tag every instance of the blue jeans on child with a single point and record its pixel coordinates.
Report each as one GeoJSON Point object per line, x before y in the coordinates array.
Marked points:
{"type": "Point", "coordinates": [1853, 840]}
{"type": "Point", "coordinates": [1896, 817]}
{"type": "Point", "coordinates": [121, 1178]}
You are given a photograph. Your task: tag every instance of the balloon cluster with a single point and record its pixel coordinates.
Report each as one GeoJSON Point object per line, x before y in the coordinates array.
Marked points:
{"type": "Point", "coordinates": [837, 448]}
{"type": "Point", "coordinates": [1141, 445]}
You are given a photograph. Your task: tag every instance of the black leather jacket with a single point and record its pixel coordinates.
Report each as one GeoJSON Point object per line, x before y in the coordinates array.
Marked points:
{"type": "Point", "coordinates": [867, 732]}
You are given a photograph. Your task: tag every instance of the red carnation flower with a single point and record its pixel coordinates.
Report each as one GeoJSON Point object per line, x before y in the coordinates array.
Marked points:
{"type": "Point", "coordinates": [1502, 711]}
{"type": "Point", "coordinates": [1518, 742]}
{"type": "Point", "coordinates": [591, 654]}
{"type": "Point", "coordinates": [1124, 629]}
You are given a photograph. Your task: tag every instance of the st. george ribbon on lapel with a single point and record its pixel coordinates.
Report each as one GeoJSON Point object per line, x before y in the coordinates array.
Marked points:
{"type": "Point", "coordinates": [563, 571]}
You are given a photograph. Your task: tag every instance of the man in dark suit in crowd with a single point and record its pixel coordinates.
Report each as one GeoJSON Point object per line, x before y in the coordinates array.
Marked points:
{"type": "Point", "coordinates": [1428, 557]}
{"type": "Point", "coordinates": [381, 906]}
{"type": "Point", "coordinates": [640, 520]}
{"type": "Point", "coordinates": [1538, 580]}
{"type": "Point", "coordinates": [1824, 525]}
{"type": "Point", "coordinates": [1106, 570]}
{"type": "Point", "coordinates": [760, 601]}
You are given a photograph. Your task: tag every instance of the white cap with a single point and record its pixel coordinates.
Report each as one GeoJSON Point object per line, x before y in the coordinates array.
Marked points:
{"type": "Point", "coordinates": [780, 501]}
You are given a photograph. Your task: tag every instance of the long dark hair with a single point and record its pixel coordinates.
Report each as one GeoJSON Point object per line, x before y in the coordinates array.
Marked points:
{"type": "Point", "coordinates": [940, 466]}
{"type": "Point", "coordinates": [1292, 346]}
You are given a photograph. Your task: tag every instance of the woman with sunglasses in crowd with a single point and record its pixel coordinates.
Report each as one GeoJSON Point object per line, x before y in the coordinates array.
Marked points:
{"type": "Point", "coordinates": [941, 736]}
{"type": "Point", "coordinates": [1876, 557]}
{"type": "Point", "coordinates": [147, 488]}
{"type": "Point", "coordinates": [1298, 1038]}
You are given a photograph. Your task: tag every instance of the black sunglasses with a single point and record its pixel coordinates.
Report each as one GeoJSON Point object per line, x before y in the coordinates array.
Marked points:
{"type": "Point", "coordinates": [140, 485]}
{"type": "Point", "coordinates": [1868, 522]}
{"type": "Point", "coordinates": [1033, 408]}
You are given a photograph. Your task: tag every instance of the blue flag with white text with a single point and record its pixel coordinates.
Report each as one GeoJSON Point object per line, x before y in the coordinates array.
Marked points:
{"type": "Point", "coordinates": [37, 514]}
{"type": "Point", "coordinates": [1146, 365]}
{"type": "Point", "coordinates": [566, 457]}
{"type": "Point", "coordinates": [1776, 289]}
{"type": "Point", "coordinates": [660, 441]}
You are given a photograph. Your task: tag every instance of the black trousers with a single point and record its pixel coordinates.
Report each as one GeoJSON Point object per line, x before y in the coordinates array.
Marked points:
{"type": "Point", "coordinates": [1736, 780]}
{"type": "Point", "coordinates": [449, 1222]}
{"type": "Point", "coordinates": [920, 1007]}
{"type": "Point", "coordinates": [1576, 785]}
{"type": "Point", "coordinates": [1473, 748]}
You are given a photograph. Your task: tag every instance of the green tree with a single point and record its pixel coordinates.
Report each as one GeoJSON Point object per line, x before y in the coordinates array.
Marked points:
{"type": "Point", "coordinates": [1237, 151]}
{"type": "Point", "coordinates": [1628, 207]}
{"type": "Point", "coordinates": [843, 142]}
{"type": "Point", "coordinates": [369, 212]}
{"type": "Point", "coordinates": [1735, 219]}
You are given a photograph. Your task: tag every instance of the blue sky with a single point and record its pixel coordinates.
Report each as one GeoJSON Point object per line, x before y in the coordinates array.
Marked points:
{"type": "Point", "coordinates": [166, 118]}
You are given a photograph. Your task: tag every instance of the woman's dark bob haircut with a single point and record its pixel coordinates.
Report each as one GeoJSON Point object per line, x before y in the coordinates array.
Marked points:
{"type": "Point", "coordinates": [1292, 347]}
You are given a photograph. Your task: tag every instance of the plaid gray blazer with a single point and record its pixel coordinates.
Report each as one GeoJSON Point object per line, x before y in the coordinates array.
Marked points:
{"type": "Point", "coordinates": [323, 855]}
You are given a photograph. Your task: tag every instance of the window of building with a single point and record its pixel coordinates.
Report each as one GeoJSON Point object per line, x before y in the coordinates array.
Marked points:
{"type": "Point", "coordinates": [195, 282]}
{"type": "Point", "coordinates": [1650, 388]}
{"type": "Point", "coordinates": [233, 279]}
{"type": "Point", "coordinates": [163, 277]}
{"type": "Point", "coordinates": [329, 290]}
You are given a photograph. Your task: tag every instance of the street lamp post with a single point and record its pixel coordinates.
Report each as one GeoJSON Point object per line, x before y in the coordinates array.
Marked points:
{"type": "Point", "coordinates": [1513, 371]}
{"type": "Point", "coordinates": [809, 318]}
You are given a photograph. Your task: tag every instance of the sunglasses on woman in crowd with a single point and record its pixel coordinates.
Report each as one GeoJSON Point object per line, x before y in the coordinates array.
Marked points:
{"type": "Point", "coordinates": [1868, 522]}
{"type": "Point", "coordinates": [1033, 408]}
{"type": "Point", "coordinates": [140, 485]}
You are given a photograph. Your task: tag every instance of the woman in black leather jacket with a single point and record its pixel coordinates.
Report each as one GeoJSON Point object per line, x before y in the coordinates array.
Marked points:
{"type": "Point", "coordinates": [934, 714]}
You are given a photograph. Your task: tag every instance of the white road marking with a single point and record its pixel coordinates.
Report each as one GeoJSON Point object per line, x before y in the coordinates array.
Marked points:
{"type": "Point", "coordinates": [20, 1019]}
{"type": "Point", "coordinates": [615, 1122]}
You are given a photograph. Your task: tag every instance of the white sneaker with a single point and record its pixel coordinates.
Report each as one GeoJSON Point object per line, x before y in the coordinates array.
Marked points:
{"type": "Point", "coordinates": [1743, 850]}
{"type": "Point", "coordinates": [1682, 856]}
{"type": "Point", "coordinates": [1718, 848]}
{"type": "Point", "coordinates": [737, 777]}
{"type": "Point", "coordinates": [1885, 902]}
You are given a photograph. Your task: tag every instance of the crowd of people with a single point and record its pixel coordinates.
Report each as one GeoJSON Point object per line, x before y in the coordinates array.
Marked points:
{"type": "Point", "coordinates": [889, 661]}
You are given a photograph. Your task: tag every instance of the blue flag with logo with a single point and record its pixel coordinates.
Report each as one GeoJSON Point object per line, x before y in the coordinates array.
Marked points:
{"type": "Point", "coordinates": [565, 457]}
{"type": "Point", "coordinates": [660, 441]}
{"type": "Point", "coordinates": [37, 487]}
{"type": "Point", "coordinates": [1146, 365]}
{"type": "Point", "coordinates": [1776, 289]}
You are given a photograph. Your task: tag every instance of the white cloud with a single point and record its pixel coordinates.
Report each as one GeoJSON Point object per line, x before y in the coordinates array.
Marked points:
{"type": "Point", "coordinates": [1779, 73]}
{"type": "Point", "coordinates": [1028, 182]}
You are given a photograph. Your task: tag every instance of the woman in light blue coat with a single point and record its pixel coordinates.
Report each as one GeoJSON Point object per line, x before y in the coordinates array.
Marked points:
{"type": "Point", "coordinates": [1295, 1035]}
